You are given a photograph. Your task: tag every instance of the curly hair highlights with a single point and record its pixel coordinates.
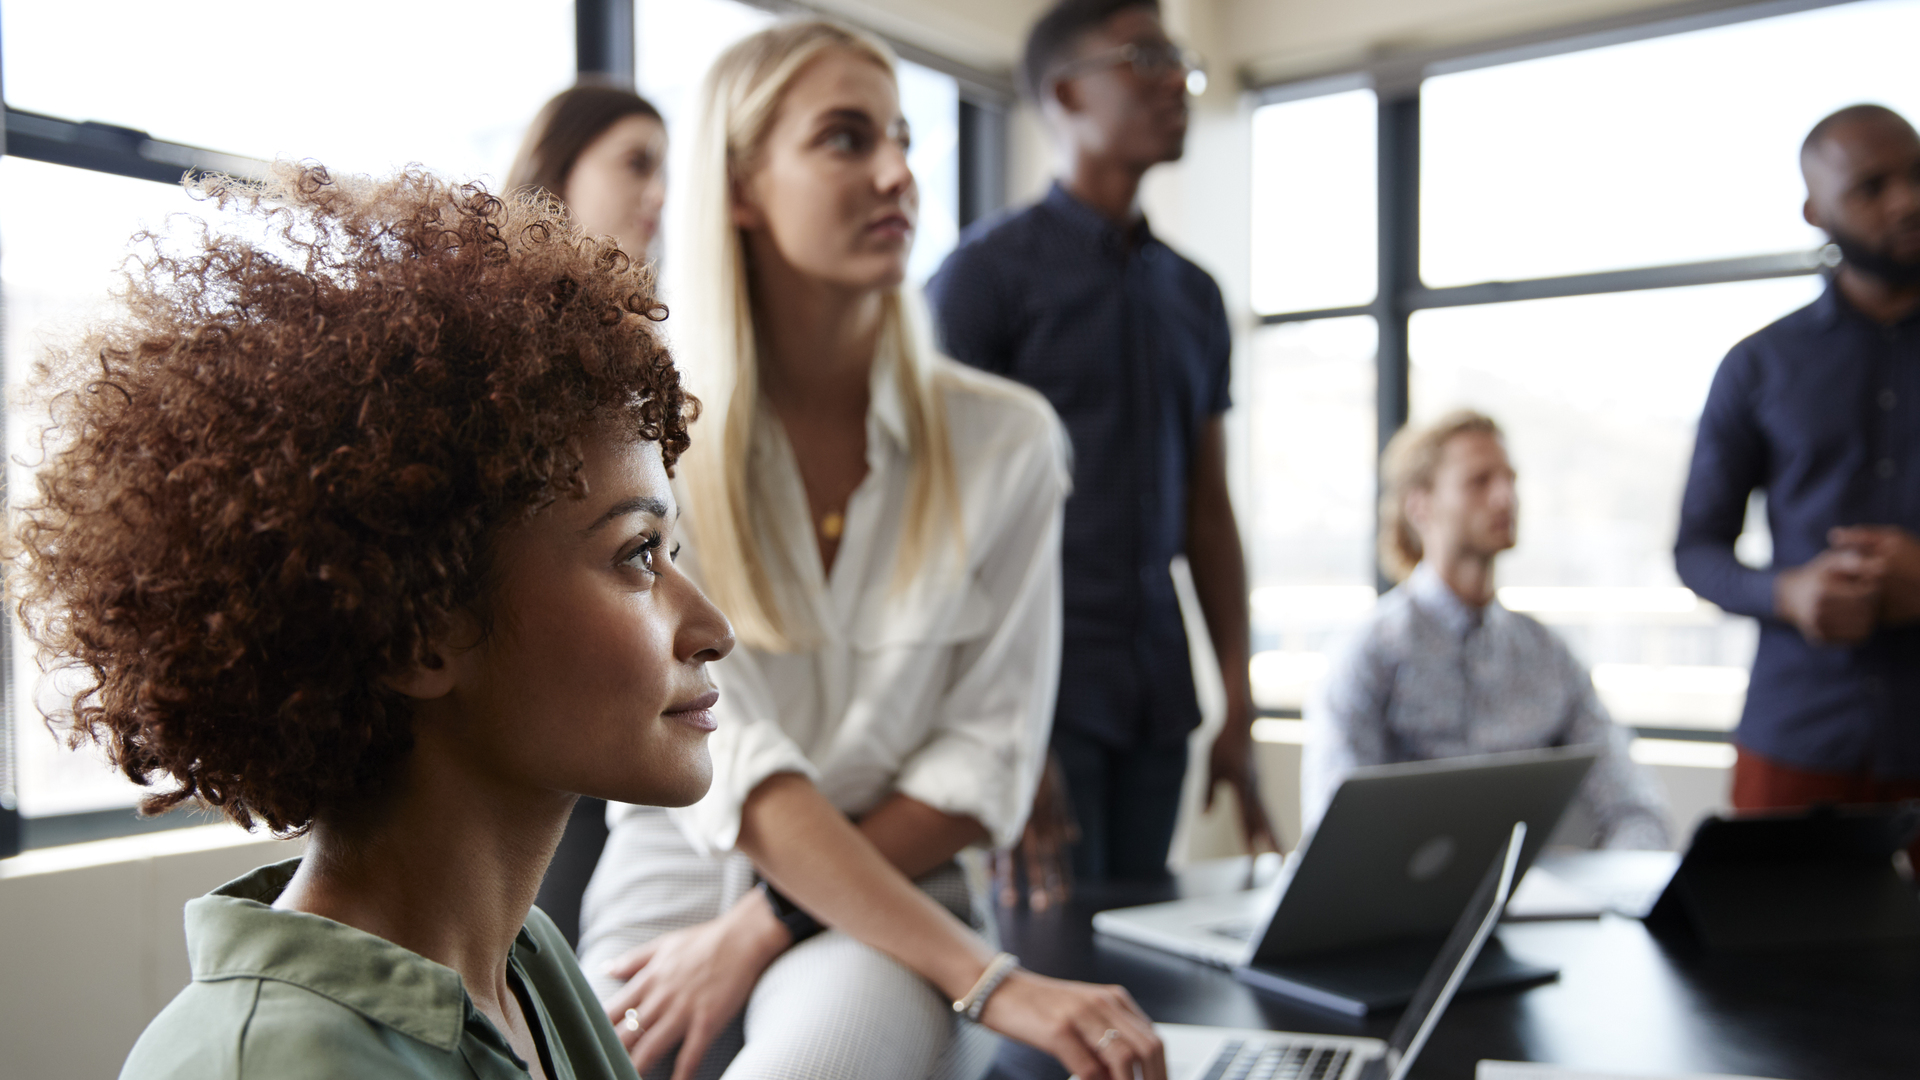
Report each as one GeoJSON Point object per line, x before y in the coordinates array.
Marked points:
{"type": "Point", "coordinates": [1407, 465]}
{"type": "Point", "coordinates": [278, 472]}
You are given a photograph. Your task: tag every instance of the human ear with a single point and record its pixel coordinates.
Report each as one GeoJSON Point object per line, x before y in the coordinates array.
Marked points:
{"type": "Point", "coordinates": [742, 209]}
{"type": "Point", "coordinates": [1065, 94]}
{"type": "Point", "coordinates": [1419, 503]}
{"type": "Point", "coordinates": [435, 674]}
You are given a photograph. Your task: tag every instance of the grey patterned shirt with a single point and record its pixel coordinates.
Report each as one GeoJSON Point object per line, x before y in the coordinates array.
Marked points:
{"type": "Point", "coordinates": [1429, 676]}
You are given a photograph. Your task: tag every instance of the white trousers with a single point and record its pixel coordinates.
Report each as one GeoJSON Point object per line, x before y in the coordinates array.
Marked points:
{"type": "Point", "coordinates": [828, 1008]}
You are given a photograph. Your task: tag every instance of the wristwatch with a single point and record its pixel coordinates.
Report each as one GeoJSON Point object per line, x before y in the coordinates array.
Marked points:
{"type": "Point", "coordinates": [798, 923]}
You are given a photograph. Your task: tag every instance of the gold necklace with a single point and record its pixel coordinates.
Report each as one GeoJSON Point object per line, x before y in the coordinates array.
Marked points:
{"type": "Point", "coordinates": [832, 524]}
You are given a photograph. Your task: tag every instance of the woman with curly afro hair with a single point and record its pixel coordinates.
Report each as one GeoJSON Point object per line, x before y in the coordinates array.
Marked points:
{"type": "Point", "coordinates": [356, 522]}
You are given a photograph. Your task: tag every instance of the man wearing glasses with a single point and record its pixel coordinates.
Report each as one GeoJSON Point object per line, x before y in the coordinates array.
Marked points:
{"type": "Point", "coordinates": [1077, 298]}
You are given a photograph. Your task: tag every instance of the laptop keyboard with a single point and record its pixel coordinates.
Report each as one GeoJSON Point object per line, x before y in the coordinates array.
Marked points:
{"type": "Point", "coordinates": [1277, 1060]}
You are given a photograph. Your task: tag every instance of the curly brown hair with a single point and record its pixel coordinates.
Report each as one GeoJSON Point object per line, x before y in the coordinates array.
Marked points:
{"type": "Point", "coordinates": [278, 471]}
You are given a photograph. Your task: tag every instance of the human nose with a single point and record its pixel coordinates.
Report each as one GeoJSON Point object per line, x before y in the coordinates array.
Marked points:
{"type": "Point", "coordinates": [892, 174]}
{"type": "Point", "coordinates": [704, 635]}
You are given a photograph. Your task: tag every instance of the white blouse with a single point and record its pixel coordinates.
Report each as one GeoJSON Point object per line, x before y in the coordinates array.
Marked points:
{"type": "Point", "coordinates": [943, 692]}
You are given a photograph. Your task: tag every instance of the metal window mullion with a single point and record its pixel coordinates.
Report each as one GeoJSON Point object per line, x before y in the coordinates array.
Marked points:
{"type": "Point", "coordinates": [603, 40]}
{"type": "Point", "coordinates": [1398, 207]}
{"type": "Point", "coordinates": [983, 160]}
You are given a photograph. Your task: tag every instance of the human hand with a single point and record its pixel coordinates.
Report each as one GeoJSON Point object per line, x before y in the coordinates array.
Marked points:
{"type": "Point", "coordinates": [685, 986]}
{"type": "Point", "coordinates": [1072, 1021]}
{"type": "Point", "coordinates": [1898, 553]}
{"type": "Point", "coordinates": [1042, 850]}
{"type": "Point", "coordinates": [1834, 599]}
{"type": "Point", "coordinates": [1231, 762]}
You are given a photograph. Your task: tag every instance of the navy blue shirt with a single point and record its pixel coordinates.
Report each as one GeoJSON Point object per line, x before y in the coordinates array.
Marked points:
{"type": "Point", "coordinates": [1130, 343]}
{"type": "Point", "coordinates": [1821, 411]}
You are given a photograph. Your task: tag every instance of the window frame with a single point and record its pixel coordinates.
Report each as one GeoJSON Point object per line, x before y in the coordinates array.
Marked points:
{"type": "Point", "coordinates": [1396, 80]}
{"type": "Point", "coordinates": [604, 46]}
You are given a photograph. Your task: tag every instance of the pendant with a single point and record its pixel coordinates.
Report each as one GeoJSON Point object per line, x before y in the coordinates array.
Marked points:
{"type": "Point", "coordinates": [832, 524]}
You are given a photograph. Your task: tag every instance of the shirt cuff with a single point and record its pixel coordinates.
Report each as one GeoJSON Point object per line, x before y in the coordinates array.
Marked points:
{"type": "Point", "coordinates": [966, 778]}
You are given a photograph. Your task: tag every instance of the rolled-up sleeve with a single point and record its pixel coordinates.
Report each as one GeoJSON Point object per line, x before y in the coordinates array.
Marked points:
{"type": "Point", "coordinates": [1729, 461]}
{"type": "Point", "coordinates": [989, 742]}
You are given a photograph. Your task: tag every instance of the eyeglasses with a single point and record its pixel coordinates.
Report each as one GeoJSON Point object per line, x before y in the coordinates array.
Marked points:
{"type": "Point", "coordinates": [1147, 61]}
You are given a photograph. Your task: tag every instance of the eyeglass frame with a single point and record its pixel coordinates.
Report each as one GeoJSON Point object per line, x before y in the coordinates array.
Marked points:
{"type": "Point", "coordinates": [1185, 60]}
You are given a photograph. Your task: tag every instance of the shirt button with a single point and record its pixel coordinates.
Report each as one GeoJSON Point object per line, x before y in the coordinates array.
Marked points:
{"type": "Point", "coordinates": [1885, 468]}
{"type": "Point", "coordinates": [1888, 399]}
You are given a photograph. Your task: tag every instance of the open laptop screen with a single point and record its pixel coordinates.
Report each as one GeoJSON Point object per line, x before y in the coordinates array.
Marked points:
{"type": "Point", "coordinates": [1450, 967]}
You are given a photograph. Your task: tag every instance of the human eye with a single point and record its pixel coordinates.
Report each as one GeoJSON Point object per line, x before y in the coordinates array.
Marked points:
{"type": "Point", "coordinates": [847, 139]}
{"type": "Point", "coordinates": [641, 557]}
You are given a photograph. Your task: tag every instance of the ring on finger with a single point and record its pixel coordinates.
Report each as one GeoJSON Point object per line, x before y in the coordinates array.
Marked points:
{"type": "Point", "coordinates": [632, 1022]}
{"type": "Point", "coordinates": [1106, 1040]}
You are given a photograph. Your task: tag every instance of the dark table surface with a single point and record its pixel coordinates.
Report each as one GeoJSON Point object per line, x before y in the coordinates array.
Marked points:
{"type": "Point", "coordinates": [1624, 1000]}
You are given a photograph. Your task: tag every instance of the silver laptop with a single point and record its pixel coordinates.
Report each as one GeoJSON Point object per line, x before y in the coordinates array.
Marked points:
{"type": "Point", "coordinates": [1396, 855]}
{"type": "Point", "coordinates": [1208, 1053]}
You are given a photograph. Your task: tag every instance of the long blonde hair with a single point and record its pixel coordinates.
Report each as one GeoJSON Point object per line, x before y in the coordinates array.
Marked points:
{"type": "Point", "coordinates": [715, 343]}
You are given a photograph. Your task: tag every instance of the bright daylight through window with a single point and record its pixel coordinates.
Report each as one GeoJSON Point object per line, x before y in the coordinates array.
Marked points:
{"type": "Point", "coordinates": [1675, 149]}
{"type": "Point", "coordinates": [65, 231]}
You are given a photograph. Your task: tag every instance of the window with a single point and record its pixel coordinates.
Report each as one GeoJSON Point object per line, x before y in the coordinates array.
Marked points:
{"type": "Point", "coordinates": [1599, 396]}
{"type": "Point", "coordinates": [335, 97]}
{"type": "Point", "coordinates": [363, 86]}
{"type": "Point", "coordinates": [1670, 150]}
{"type": "Point", "coordinates": [678, 40]}
{"type": "Point", "coordinates": [1308, 405]}
{"type": "Point", "coordinates": [1313, 223]}
{"type": "Point", "coordinates": [66, 233]}
{"type": "Point", "coordinates": [1659, 159]}
{"type": "Point", "coordinates": [367, 88]}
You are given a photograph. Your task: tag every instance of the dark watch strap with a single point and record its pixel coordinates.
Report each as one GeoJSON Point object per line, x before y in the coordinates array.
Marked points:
{"type": "Point", "coordinates": [798, 923]}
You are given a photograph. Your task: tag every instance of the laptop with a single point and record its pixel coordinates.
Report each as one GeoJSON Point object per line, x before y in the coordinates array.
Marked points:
{"type": "Point", "coordinates": [1356, 914]}
{"type": "Point", "coordinates": [1207, 1053]}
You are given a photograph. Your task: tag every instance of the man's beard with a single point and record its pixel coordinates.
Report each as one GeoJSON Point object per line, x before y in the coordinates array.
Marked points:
{"type": "Point", "coordinates": [1873, 262]}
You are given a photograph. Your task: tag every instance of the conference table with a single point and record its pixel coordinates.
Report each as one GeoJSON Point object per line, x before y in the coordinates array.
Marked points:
{"type": "Point", "coordinates": [1625, 1001]}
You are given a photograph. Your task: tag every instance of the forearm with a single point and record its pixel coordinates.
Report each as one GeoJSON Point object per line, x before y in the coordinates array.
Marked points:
{"type": "Point", "coordinates": [1220, 581]}
{"type": "Point", "coordinates": [819, 860]}
{"type": "Point", "coordinates": [1710, 568]}
{"type": "Point", "coordinates": [915, 837]}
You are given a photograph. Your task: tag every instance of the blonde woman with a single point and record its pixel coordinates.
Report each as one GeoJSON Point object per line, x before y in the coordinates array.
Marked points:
{"type": "Point", "coordinates": [883, 527]}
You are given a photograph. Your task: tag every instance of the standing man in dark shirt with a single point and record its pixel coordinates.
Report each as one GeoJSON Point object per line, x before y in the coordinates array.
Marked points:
{"type": "Point", "coordinates": [1821, 411]}
{"type": "Point", "coordinates": [1075, 297]}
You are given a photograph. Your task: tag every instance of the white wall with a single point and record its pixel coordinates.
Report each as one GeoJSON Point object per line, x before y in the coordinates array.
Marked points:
{"type": "Point", "coordinates": [92, 944]}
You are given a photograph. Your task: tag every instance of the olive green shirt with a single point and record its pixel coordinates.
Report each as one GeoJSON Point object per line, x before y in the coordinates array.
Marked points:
{"type": "Point", "coordinates": [292, 996]}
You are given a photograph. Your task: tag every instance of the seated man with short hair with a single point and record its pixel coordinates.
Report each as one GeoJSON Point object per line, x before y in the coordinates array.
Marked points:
{"type": "Point", "coordinates": [1440, 669]}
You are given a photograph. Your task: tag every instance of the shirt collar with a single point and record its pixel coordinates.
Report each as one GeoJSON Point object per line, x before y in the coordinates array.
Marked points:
{"type": "Point", "coordinates": [1090, 223]}
{"type": "Point", "coordinates": [1832, 309]}
{"type": "Point", "coordinates": [234, 932]}
{"type": "Point", "coordinates": [1433, 596]}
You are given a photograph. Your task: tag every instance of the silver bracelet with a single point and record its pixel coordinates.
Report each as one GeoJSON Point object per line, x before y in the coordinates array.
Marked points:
{"type": "Point", "coordinates": [975, 1002]}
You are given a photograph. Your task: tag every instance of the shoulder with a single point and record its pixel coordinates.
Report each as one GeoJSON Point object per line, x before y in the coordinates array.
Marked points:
{"type": "Point", "coordinates": [992, 246]}
{"type": "Point", "coordinates": [1193, 278]}
{"type": "Point", "coordinates": [1537, 639]}
{"type": "Point", "coordinates": [990, 416]}
{"type": "Point", "coordinates": [1786, 338]}
{"type": "Point", "coordinates": [256, 1028]}
{"type": "Point", "coordinates": [1379, 640]}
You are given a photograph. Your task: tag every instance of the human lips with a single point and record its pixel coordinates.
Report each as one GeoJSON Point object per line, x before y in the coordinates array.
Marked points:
{"type": "Point", "coordinates": [696, 712]}
{"type": "Point", "coordinates": [892, 226]}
